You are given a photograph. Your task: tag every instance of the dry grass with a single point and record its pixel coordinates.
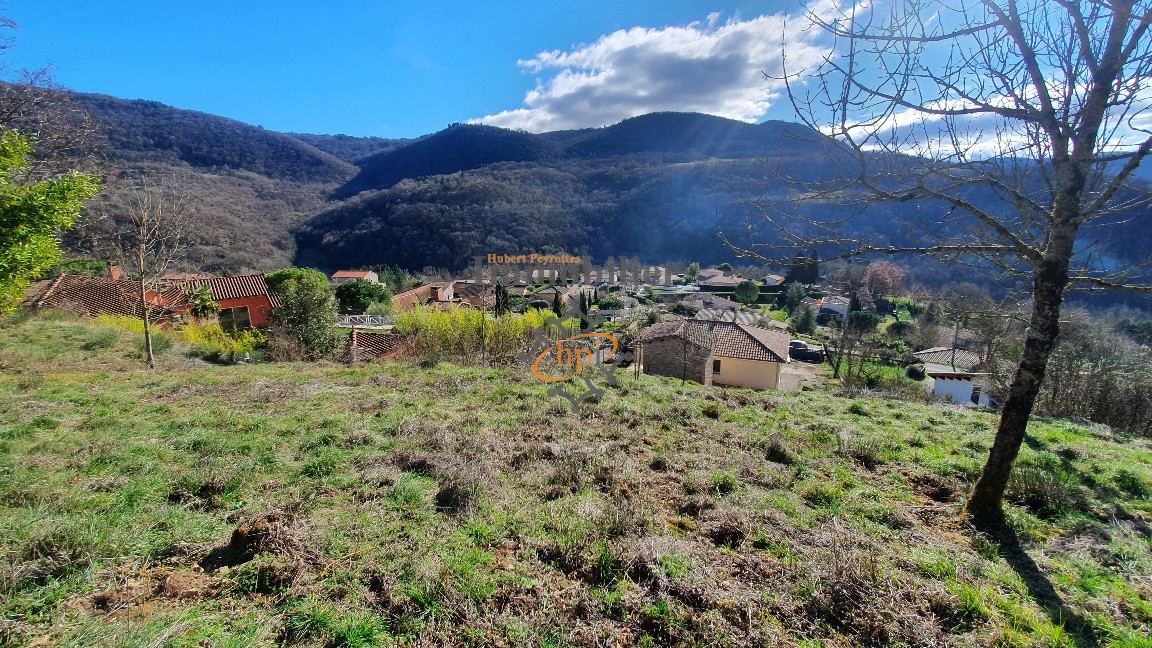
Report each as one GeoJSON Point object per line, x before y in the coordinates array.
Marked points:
{"type": "Point", "coordinates": [319, 505]}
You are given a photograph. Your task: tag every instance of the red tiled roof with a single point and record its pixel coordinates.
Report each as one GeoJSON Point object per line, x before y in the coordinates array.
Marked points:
{"type": "Point", "coordinates": [352, 274]}
{"type": "Point", "coordinates": [479, 295]}
{"type": "Point", "coordinates": [726, 339]}
{"type": "Point", "coordinates": [240, 287]}
{"type": "Point", "coordinates": [99, 296]}
{"type": "Point", "coordinates": [750, 342]}
{"type": "Point", "coordinates": [409, 298]}
{"type": "Point", "coordinates": [712, 301]}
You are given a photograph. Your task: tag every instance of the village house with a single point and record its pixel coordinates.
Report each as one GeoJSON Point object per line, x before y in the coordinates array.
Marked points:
{"type": "Point", "coordinates": [708, 273]}
{"type": "Point", "coordinates": [445, 294]}
{"type": "Point", "coordinates": [720, 282]}
{"type": "Point", "coordinates": [344, 276]}
{"type": "Point", "coordinates": [950, 375]}
{"type": "Point", "coordinates": [244, 300]}
{"type": "Point", "coordinates": [94, 296]}
{"type": "Point", "coordinates": [832, 307]}
{"type": "Point", "coordinates": [714, 353]}
{"type": "Point", "coordinates": [711, 302]}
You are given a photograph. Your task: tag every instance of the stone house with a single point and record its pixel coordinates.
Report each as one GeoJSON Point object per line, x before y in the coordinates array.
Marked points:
{"type": "Point", "coordinates": [714, 353]}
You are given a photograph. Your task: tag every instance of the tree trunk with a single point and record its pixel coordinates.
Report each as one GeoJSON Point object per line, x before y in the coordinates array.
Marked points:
{"type": "Point", "coordinates": [1044, 326]}
{"type": "Point", "coordinates": [148, 356]}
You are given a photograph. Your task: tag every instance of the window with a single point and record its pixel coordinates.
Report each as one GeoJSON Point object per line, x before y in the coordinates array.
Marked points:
{"type": "Point", "coordinates": [976, 394]}
{"type": "Point", "coordinates": [233, 319]}
{"type": "Point", "coordinates": [715, 366]}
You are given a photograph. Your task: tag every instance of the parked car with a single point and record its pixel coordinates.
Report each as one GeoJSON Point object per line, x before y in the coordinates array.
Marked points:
{"type": "Point", "coordinates": [804, 352]}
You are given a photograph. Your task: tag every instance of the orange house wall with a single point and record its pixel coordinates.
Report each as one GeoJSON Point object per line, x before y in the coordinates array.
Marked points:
{"type": "Point", "coordinates": [259, 309]}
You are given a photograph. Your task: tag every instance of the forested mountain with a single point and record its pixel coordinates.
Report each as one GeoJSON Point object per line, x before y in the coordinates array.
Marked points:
{"type": "Point", "coordinates": [658, 187]}
{"type": "Point", "coordinates": [153, 132]}
{"type": "Point", "coordinates": [694, 135]}
{"type": "Point", "coordinates": [349, 148]}
{"type": "Point", "coordinates": [459, 147]}
{"type": "Point", "coordinates": [250, 188]}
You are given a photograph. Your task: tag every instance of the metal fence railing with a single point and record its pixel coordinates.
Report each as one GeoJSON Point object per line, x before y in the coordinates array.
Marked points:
{"type": "Point", "coordinates": [363, 321]}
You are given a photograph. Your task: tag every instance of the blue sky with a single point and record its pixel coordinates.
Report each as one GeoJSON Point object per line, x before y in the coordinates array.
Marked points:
{"type": "Point", "coordinates": [404, 69]}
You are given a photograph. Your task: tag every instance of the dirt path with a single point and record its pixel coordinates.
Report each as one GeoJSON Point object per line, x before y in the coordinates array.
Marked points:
{"type": "Point", "coordinates": [795, 375]}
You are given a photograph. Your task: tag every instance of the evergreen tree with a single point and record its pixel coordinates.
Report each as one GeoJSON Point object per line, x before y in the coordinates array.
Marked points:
{"type": "Point", "coordinates": [557, 305]}
{"type": "Point", "coordinates": [804, 321]}
{"type": "Point", "coordinates": [503, 306]}
{"type": "Point", "coordinates": [307, 312]}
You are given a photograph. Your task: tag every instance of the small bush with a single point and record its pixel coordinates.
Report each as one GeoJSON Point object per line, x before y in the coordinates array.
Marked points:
{"type": "Point", "coordinates": [822, 495]}
{"type": "Point", "coordinates": [161, 343]}
{"type": "Point", "coordinates": [123, 322]}
{"type": "Point", "coordinates": [711, 409]}
{"type": "Point", "coordinates": [211, 342]}
{"type": "Point", "coordinates": [916, 372]}
{"type": "Point", "coordinates": [305, 621]}
{"type": "Point", "coordinates": [321, 466]}
{"type": "Point", "coordinates": [858, 409]}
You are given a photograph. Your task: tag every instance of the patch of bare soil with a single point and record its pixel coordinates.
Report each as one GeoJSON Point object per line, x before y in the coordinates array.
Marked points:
{"type": "Point", "coordinates": [269, 532]}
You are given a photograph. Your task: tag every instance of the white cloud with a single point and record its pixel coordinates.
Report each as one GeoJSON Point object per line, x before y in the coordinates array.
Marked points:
{"type": "Point", "coordinates": [711, 67]}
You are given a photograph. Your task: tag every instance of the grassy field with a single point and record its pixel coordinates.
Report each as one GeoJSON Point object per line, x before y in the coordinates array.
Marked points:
{"type": "Point", "coordinates": [393, 504]}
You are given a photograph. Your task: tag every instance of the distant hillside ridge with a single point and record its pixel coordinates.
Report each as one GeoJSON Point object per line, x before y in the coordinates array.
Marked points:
{"type": "Point", "coordinates": [149, 131]}
{"type": "Point", "coordinates": [460, 147]}
{"type": "Point", "coordinates": [695, 134]}
{"type": "Point", "coordinates": [350, 148]}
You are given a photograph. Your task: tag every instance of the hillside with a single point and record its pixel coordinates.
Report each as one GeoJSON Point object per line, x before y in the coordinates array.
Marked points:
{"type": "Point", "coordinates": [459, 147]}
{"type": "Point", "coordinates": [250, 187]}
{"type": "Point", "coordinates": [695, 135]}
{"type": "Point", "coordinates": [394, 504]}
{"type": "Point", "coordinates": [658, 187]}
{"type": "Point", "coordinates": [149, 131]}
{"type": "Point", "coordinates": [349, 148]}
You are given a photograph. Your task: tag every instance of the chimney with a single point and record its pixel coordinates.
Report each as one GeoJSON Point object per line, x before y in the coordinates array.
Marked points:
{"type": "Point", "coordinates": [114, 272]}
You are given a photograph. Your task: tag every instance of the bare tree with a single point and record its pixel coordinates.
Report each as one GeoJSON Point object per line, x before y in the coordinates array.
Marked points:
{"type": "Point", "coordinates": [1008, 128]}
{"type": "Point", "coordinates": [150, 234]}
{"type": "Point", "coordinates": [64, 134]}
